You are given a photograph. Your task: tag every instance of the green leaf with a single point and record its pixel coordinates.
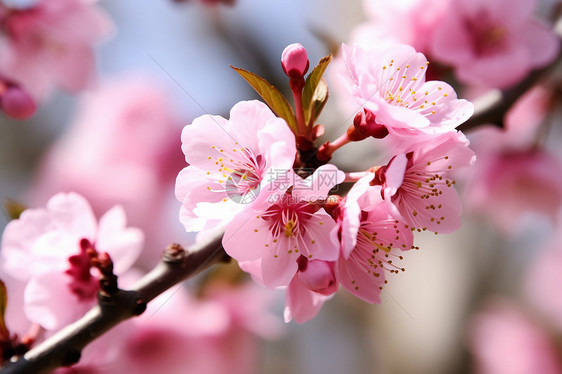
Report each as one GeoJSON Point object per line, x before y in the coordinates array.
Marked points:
{"type": "Point", "coordinates": [319, 100]}
{"type": "Point", "coordinates": [271, 95]}
{"type": "Point", "coordinates": [13, 208]}
{"type": "Point", "coordinates": [310, 86]}
{"type": "Point", "coordinates": [4, 333]}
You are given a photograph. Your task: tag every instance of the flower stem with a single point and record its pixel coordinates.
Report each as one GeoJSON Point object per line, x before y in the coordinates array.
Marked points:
{"type": "Point", "coordinates": [327, 149]}
{"type": "Point", "coordinates": [296, 88]}
{"type": "Point", "coordinates": [355, 176]}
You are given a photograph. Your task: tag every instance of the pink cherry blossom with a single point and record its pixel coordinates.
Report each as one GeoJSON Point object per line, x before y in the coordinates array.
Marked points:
{"type": "Point", "coordinates": [390, 82]}
{"type": "Point", "coordinates": [416, 23]}
{"type": "Point", "coordinates": [493, 43]}
{"type": "Point", "coordinates": [371, 241]}
{"type": "Point", "coordinates": [121, 147]}
{"type": "Point", "coordinates": [50, 44]}
{"type": "Point", "coordinates": [505, 188]}
{"type": "Point", "coordinates": [417, 186]}
{"type": "Point", "coordinates": [46, 249]}
{"type": "Point", "coordinates": [230, 161]}
{"type": "Point", "coordinates": [506, 341]}
{"type": "Point", "coordinates": [283, 225]}
{"type": "Point", "coordinates": [314, 283]}
{"type": "Point", "coordinates": [513, 177]}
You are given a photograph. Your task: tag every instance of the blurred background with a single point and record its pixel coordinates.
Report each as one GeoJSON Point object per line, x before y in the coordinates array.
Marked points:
{"type": "Point", "coordinates": [167, 63]}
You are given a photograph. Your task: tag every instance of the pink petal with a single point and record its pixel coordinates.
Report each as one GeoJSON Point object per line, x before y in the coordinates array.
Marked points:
{"type": "Point", "coordinates": [320, 244]}
{"type": "Point", "coordinates": [302, 304]}
{"type": "Point", "coordinates": [279, 265]}
{"type": "Point", "coordinates": [253, 116]}
{"type": "Point", "coordinates": [358, 281]}
{"type": "Point", "coordinates": [394, 175]}
{"type": "Point", "coordinates": [50, 303]}
{"type": "Point", "coordinates": [124, 244]}
{"type": "Point", "coordinates": [246, 228]}
{"type": "Point", "coordinates": [542, 43]}
{"type": "Point", "coordinates": [73, 214]}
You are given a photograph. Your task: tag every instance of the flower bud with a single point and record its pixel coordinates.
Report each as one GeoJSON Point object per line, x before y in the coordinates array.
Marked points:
{"type": "Point", "coordinates": [17, 103]}
{"type": "Point", "coordinates": [295, 60]}
{"type": "Point", "coordinates": [364, 125]}
{"type": "Point", "coordinates": [318, 275]}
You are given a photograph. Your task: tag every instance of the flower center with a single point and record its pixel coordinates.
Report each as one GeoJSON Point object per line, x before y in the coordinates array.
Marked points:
{"type": "Point", "coordinates": [82, 283]}
{"type": "Point", "coordinates": [488, 37]}
{"type": "Point", "coordinates": [375, 252]}
{"type": "Point", "coordinates": [288, 218]}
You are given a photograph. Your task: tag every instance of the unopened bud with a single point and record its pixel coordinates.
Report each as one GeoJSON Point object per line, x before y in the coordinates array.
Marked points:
{"type": "Point", "coordinates": [295, 60]}
{"type": "Point", "coordinates": [364, 125]}
{"type": "Point", "coordinates": [17, 103]}
{"type": "Point", "coordinates": [318, 276]}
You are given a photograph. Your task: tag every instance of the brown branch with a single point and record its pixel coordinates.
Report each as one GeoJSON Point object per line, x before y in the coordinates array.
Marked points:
{"type": "Point", "coordinates": [63, 348]}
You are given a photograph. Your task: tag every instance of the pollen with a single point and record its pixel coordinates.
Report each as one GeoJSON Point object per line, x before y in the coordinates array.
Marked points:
{"type": "Point", "coordinates": [289, 226]}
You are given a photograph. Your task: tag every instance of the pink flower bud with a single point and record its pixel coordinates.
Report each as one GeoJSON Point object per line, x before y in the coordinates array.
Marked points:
{"type": "Point", "coordinates": [318, 275]}
{"type": "Point", "coordinates": [295, 60]}
{"type": "Point", "coordinates": [17, 103]}
{"type": "Point", "coordinates": [364, 125]}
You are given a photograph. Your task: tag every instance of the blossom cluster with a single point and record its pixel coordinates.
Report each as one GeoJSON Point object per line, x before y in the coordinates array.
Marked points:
{"type": "Point", "coordinates": [248, 174]}
{"type": "Point", "coordinates": [474, 44]}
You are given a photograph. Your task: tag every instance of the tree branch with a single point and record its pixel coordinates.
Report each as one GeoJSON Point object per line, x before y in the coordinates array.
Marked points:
{"type": "Point", "coordinates": [64, 348]}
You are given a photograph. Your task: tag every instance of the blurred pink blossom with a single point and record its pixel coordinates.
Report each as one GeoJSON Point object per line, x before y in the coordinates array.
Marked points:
{"type": "Point", "coordinates": [218, 333]}
{"type": "Point", "coordinates": [50, 44]}
{"type": "Point", "coordinates": [390, 83]}
{"type": "Point", "coordinates": [121, 148]}
{"type": "Point", "coordinates": [504, 340]}
{"type": "Point", "coordinates": [313, 284]}
{"type": "Point", "coordinates": [513, 176]}
{"type": "Point", "coordinates": [229, 162]}
{"type": "Point", "coordinates": [417, 19]}
{"type": "Point", "coordinates": [493, 43]}
{"type": "Point", "coordinates": [506, 187]}
{"type": "Point", "coordinates": [44, 248]}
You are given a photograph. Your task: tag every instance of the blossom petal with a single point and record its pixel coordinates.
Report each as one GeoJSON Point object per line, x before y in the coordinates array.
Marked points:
{"type": "Point", "coordinates": [302, 304]}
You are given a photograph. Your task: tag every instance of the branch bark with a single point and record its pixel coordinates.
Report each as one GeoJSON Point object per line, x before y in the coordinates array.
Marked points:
{"type": "Point", "coordinates": [64, 348]}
